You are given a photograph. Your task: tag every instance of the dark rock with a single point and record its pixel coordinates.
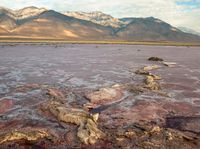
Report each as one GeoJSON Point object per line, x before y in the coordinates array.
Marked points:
{"type": "Point", "coordinates": [155, 59]}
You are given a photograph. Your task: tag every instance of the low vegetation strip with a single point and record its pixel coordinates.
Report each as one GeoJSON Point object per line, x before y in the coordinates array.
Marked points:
{"type": "Point", "coordinates": [55, 41]}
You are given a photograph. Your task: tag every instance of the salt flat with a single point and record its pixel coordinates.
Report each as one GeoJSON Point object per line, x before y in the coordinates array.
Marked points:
{"type": "Point", "coordinates": [80, 68]}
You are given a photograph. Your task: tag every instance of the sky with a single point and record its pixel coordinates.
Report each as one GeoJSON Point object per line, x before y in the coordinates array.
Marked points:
{"type": "Point", "coordinates": [184, 13]}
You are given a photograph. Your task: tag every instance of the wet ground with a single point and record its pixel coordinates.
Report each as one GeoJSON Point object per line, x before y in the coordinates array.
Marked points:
{"type": "Point", "coordinates": [135, 120]}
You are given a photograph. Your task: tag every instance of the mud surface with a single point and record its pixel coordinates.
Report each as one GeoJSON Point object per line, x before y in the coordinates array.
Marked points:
{"type": "Point", "coordinates": [82, 77]}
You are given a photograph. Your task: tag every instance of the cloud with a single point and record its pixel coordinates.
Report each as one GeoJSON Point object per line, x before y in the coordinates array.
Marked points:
{"type": "Point", "coordinates": [176, 12]}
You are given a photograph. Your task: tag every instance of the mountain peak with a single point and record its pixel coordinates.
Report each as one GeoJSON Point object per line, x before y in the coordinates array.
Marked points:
{"type": "Point", "coordinates": [22, 13]}
{"type": "Point", "coordinates": [97, 17]}
{"type": "Point", "coordinates": [30, 8]}
{"type": "Point", "coordinates": [28, 12]}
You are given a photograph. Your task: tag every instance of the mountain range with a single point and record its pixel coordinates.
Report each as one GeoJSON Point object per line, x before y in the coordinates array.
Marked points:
{"type": "Point", "coordinates": [41, 23]}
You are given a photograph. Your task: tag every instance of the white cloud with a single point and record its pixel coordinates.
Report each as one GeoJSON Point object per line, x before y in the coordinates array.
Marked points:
{"type": "Point", "coordinates": [167, 10]}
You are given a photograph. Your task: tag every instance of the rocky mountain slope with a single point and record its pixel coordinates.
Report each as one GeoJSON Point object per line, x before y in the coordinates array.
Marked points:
{"type": "Point", "coordinates": [55, 25]}
{"type": "Point", "coordinates": [151, 29]}
{"type": "Point", "coordinates": [22, 13]}
{"type": "Point", "coordinates": [98, 18]}
{"type": "Point", "coordinates": [2, 31]}
{"type": "Point", "coordinates": [32, 22]}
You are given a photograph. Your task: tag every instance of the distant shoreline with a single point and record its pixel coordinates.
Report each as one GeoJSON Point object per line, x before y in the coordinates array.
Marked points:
{"type": "Point", "coordinates": [62, 41]}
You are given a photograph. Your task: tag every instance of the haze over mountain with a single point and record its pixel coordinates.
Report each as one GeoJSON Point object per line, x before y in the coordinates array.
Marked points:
{"type": "Point", "coordinates": [33, 22]}
{"type": "Point", "coordinates": [189, 30]}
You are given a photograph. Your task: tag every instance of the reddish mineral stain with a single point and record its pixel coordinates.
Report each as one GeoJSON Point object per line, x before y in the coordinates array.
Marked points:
{"type": "Point", "coordinates": [5, 105]}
